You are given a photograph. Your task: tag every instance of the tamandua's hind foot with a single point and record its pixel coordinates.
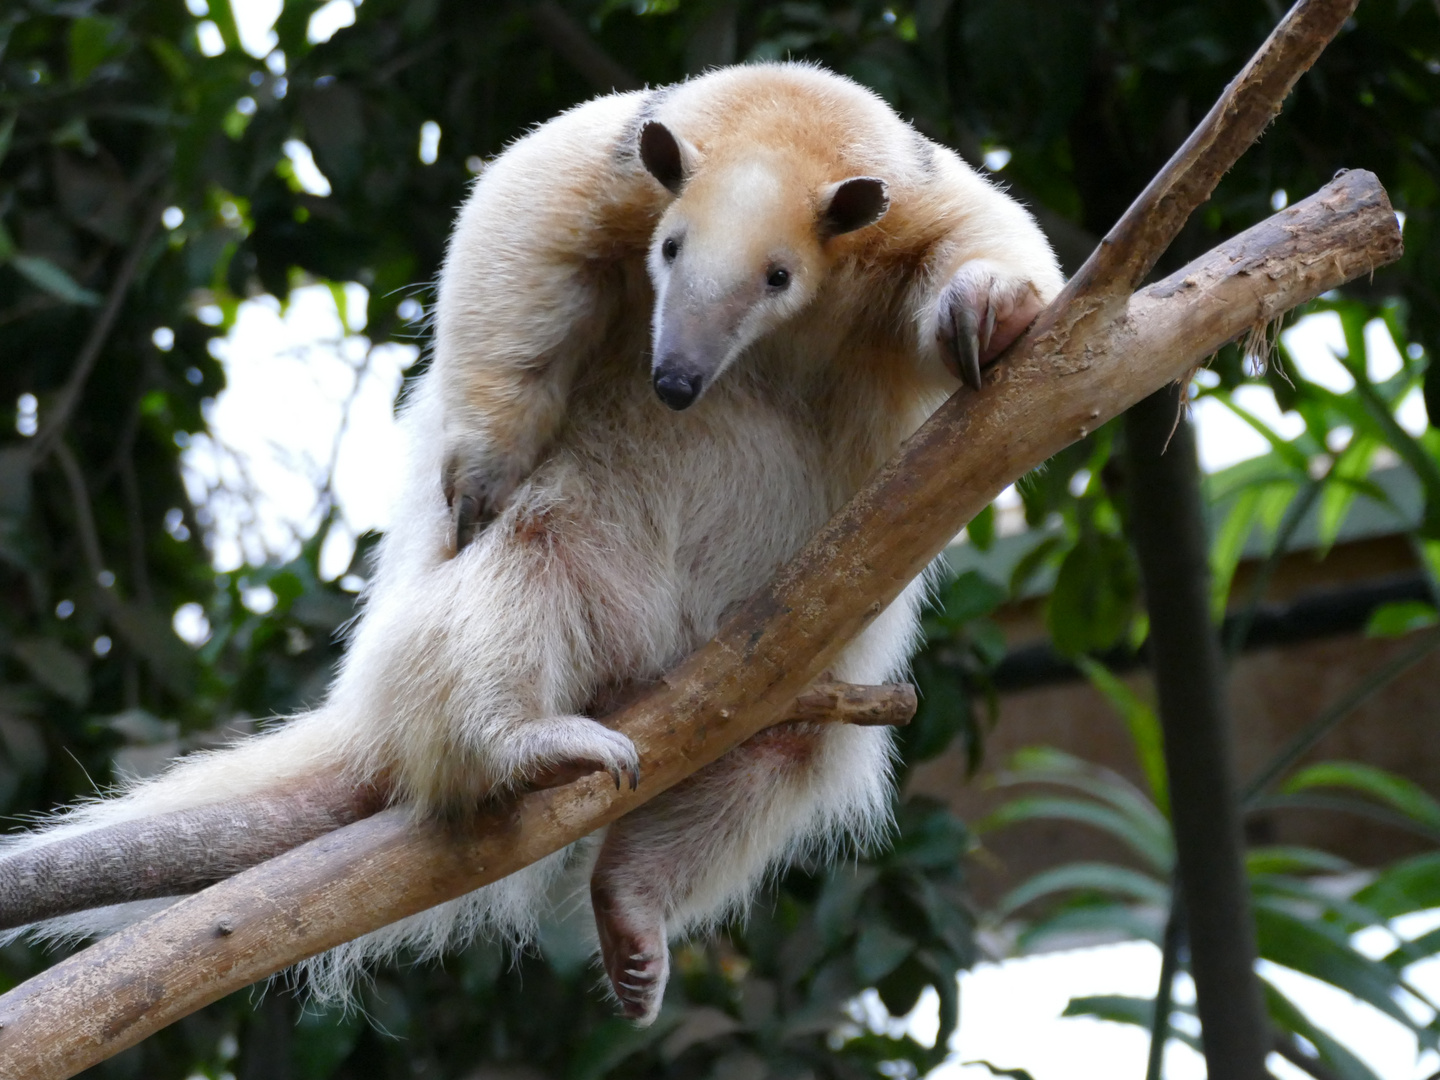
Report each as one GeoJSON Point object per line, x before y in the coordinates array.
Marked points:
{"type": "Point", "coordinates": [560, 749]}
{"type": "Point", "coordinates": [633, 950]}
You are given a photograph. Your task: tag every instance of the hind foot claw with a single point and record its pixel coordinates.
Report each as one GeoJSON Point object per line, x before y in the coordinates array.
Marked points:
{"type": "Point", "coordinates": [561, 749]}
{"type": "Point", "coordinates": [633, 950]}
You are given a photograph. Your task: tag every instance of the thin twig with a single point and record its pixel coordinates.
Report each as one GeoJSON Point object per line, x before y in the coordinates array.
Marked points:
{"type": "Point", "coordinates": [84, 516]}
{"type": "Point", "coordinates": [1165, 991]}
{"type": "Point", "coordinates": [59, 413]}
{"type": "Point", "coordinates": [1307, 739]}
{"type": "Point", "coordinates": [569, 39]}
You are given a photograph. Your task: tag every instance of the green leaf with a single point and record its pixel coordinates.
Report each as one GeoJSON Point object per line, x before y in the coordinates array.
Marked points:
{"type": "Point", "coordinates": [1345, 1065]}
{"type": "Point", "coordinates": [45, 275]}
{"type": "Point", "coordinates": [970, 596]}
{"type": "Point", "coordinates": [1088, 920]}
{"type": "Point", "coordinates": [1283, 859]}
{"type": "Point", "coordinates": [1143, 841]}
{"type": "Point", "coordinates": [1120, 1009]}
{"type": "Point", "coordinates": [837, 909]}
{"type": "Point", "coordinates": [901, 987]}
{"type": "Point", "coordinates": [92, 40]}
{"type": "Point", "coordinates": [324, 1038]}
{"type": "Point", "coordinates": [1032, 563]}
{"type": "Point", "coordinates": [931, 837]}
{"type": "Point", "coordinates": [879, 951]}
{"type": "Point", "coordinates": [1094, 595]}
{"type": "Point", "coordinates": [55, 667]}
{"type": "Point", "coordinates": [1323, 951]}
{"type": "Point", "coordinates": [1047, 765]}
{"type": "Point", "coordinates": [950, 920]}
{"type": "Point", "coordinates": [614, 1040]}
{"type": "Point", "coordinates": [1401, 618]}
{"type": "Point", "coordinates": [1117, 881]}
{"type": "Point", "coordinates": [7, 132]}
{"type": "Point", "coordinates": [1228, 546]}
{"type": "Point", "coordinates": [1344, 804]}
{"type": "Point", "coordinates": [1143, 724]}
{"type": "Point", "coordinates": [1385, 787]}
{"type": "Point", "coordinates": [1430, 388]}
{"type": "Point", "coordinates": [1409, 885]}
{"type": "Point", "coordinates": [1424, 947]}
{"type": "Point", "coordinates": [1353, 464]}
{"type": "Point", "coordinates": [1286, 450]}
{"type": "Point", "coordinates": [996, 1070]}
{"type": "Point", "coordinates": [152, 635]}
{"type": "Point", "coordinates": [981, 529]}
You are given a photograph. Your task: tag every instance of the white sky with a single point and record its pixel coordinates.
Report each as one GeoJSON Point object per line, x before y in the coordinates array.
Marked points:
{"type": "Point", "coordinates": [294, 377]}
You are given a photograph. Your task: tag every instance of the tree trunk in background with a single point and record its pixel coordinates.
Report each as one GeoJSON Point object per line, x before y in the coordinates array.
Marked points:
{"type": "Point", "coordinates": [1168, 529]}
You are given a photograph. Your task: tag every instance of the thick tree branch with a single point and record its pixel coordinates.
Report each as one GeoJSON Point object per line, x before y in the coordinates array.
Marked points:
{"type": "Point", "coordinates": [188, 850]}
{"type": "Point", "coordinates": [389, 866]}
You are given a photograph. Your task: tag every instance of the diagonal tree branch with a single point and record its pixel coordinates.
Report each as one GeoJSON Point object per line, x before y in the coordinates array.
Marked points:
{"type": "Point", "coordinates": [184, 851]}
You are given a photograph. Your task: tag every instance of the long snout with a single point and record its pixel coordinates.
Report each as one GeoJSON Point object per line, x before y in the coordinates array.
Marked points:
{"type": "Point", "coordinates": [688, 356]}
{"type": "Point", "coordinates": [677, 387]}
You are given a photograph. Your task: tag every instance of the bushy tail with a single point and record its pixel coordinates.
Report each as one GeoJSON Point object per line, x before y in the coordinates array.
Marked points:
{"type": "Point", "coordinates": [94, 868]}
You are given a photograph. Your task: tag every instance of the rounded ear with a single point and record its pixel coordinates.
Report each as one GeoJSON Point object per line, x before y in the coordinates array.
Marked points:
{"type": "Point", "coordinates": [852, 204]}
{"type": "Point", "coordinates": [664, 156]}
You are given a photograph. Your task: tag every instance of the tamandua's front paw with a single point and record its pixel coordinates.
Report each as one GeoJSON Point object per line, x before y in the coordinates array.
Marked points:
{"type": "Point", "coordinates": [632, 948]}
{"type": "Point", "coordinates": [475, 494]}
{"type": "Point", "coordinates": [560, 749]}
{"type": "Point", "coordinates": [982, 309]}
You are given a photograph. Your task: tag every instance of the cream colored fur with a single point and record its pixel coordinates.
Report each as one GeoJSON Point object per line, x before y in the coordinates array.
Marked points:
{"type": "Point", "coordinates": [625, 531]}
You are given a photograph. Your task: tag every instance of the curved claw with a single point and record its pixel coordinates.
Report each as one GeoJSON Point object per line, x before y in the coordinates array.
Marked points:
{"type": "Point", "coordinates": [471, 517]}
{"type": "Point", "coordinates": [965, 343]}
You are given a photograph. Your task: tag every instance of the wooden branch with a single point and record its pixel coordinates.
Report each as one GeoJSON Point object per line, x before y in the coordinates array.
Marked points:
{"type": "Point", "coordinates": [185, 851]}
{"type": "Point", "coordinates": [846, 703]}
{"type": "Point", "coordinates": [389, 866]}
{"type": "Point", "coordinates": [1254, 97]}
{"type": "Point", "coordinates": [175, 853]}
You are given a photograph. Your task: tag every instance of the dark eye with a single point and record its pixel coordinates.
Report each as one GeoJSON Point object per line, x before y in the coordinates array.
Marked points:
{"type": "Point", "coordinates": [669, 249]}
{"type": "Point", "coordinates": [778, 278]}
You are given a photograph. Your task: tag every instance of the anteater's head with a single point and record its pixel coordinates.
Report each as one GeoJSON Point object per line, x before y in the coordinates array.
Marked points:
{"type": "Point", "coordinates": [742, 249]}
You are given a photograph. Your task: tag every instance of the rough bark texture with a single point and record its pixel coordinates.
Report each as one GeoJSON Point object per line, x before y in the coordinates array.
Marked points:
{"type": "Point", "coordinates": [1167, 524]}
{"type": "Point", "coordinates": [1055, 388]}
{"type": "Point", "coordinates": [186, 851]}
{"type": "Point", "coordinates": [172, 854]}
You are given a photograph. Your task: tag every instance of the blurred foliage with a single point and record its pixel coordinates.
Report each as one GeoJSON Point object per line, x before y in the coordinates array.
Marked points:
{"type": "Point", "coordinates": [113, 111]}
{"type": "Point", "coordinates": [1309, 904]}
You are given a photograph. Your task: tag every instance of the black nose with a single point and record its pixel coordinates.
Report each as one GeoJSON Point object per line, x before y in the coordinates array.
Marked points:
{"type": "Point", "coordinates": [677, 390]}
